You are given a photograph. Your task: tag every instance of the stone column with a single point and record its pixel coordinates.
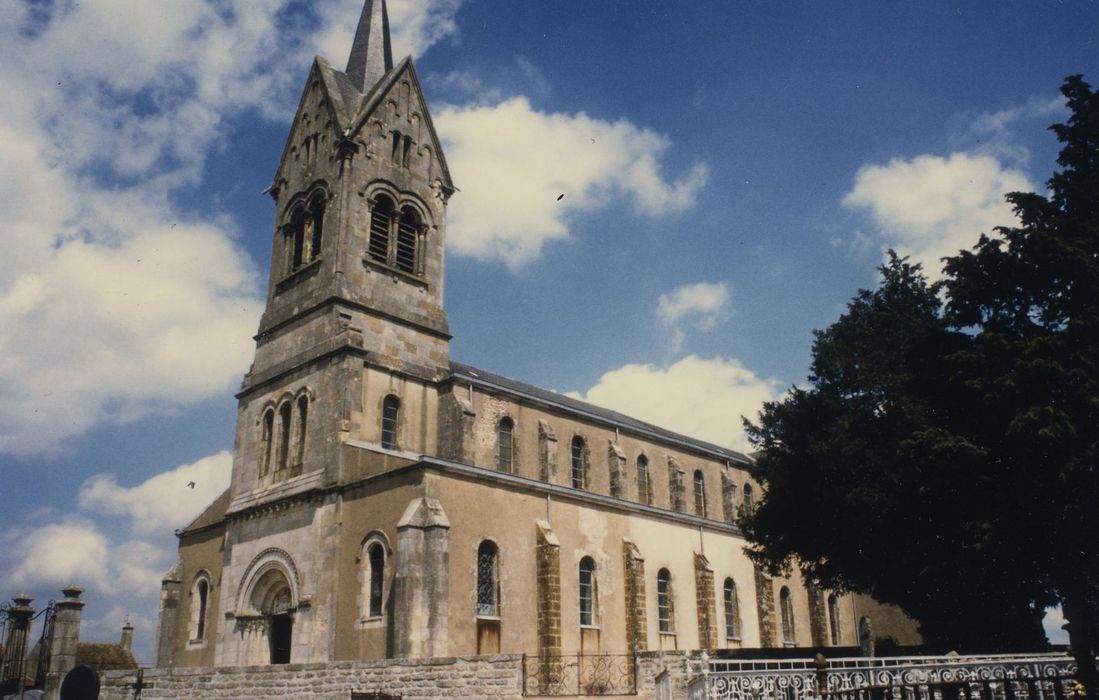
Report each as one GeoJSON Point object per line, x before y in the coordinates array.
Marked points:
{"type": "Point", "coordinates": [765, 606]}
{"type": "Point", "coordinates": [65, 639]}
{"type": "Point", "coordinates": [704, 602]}
{"type": "Point", "coordinates": [637, 632]}
{"type": "Point", "coordinates": [170, 590]}
{"type": "Point", "coordinates": [15, 646]}
{"type": "Point", "coordinates": [818, 616]}
{"type": "Point", "coordinates": [422, 583]}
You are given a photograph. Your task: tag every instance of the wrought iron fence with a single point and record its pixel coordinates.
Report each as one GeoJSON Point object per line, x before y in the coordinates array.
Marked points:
{"type": "Point", "coordinates": [1004, 677]}
{"type": "Point", "coordinates": [579, 674]}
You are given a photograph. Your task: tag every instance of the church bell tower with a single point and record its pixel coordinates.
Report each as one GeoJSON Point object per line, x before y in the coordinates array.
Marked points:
{"type": "Point", "coordinates": [356, 279]}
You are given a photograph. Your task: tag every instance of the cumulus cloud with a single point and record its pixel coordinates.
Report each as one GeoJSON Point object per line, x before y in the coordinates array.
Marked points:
{"type": "Point", "coordinates": [929, 207]}
{"type": "Point", "coordinates": [994, 133]}
{"type": "Point", "coordinates": [1052, 624]}
{"type": "Point", "coordinates": [701, 398]}
{"type": "Point", "coordinates": [163, 502]}
{"type": "Point", "coordinates": [115, 299]}
{"type": "Point", "coordinates": [513, 163]}
{"type": "Point", "coordinates": [59, 553]}
{"type": "Point", "coordinates": [415, 25]}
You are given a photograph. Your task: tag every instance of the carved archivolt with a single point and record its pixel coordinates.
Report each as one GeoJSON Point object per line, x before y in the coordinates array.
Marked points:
{"type": "Point", "coordinates": [271, 579]}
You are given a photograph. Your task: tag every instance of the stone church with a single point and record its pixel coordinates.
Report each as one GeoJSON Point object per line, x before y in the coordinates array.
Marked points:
{"type": "Point", "coordinates": [387, 501]}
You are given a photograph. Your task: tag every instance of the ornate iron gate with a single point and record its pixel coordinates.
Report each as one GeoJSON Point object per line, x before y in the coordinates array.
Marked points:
{"type": "Point", "coordinates": [23, 665]}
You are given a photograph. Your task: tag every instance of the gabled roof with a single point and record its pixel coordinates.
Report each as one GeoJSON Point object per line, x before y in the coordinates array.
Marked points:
{"type": "Point", "coordinates": [104, 657]}
{"type": "Point", "coordinates": [214, 514]}
{"type": "Point", "coordinates": [467, 374]}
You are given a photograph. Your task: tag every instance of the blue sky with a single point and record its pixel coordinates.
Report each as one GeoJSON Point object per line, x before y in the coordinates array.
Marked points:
{"type": "Point", "coordinates": [731, 173]}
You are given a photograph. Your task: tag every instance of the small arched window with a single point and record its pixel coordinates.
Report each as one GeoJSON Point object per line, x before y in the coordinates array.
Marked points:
{"type": "Point", "coordinates": [834, 619]}
{"type": "Point", "coordinates": [579, 471]}
{"type": "Point", "coordinates": [732, 610]}
{"type": "Point", "coordinates": [587, 591]}
{"type": "Point", "coordinates": [505, 445]}
{"type": "Point", "coordinates": [304, 230]}
{"type": "Point", "coordinates": [665, 610]}
{"type": "Point", "coordinates": [390, 414]}
{"type": "Point", "coordinates": [284, 436]}
{"type": "Point", "coordinates": [200, 601]}
{"type": "Point", "coordinates": [700, 493]}
{"type": "Point", "coordinates": [314, 226]}
{"type": "Point", "coordinates": [644, 483]}
{"type": "Point", "coordinates": [303, 417]}
{"type": "Point", "coordinates": [488, 586]}
{"type": "Point", "coordinates": [786, 611]}
{"type": "Point", "coordinates": [375, 557]}
{"type": "Point", "coordinates": [748, 503]}
{"type": "Point", "coordinates": [408, 228]}
{"type": "Point", "coordinates": [381, 218]}
{"type": "Point", "coordinates": [267, 432]}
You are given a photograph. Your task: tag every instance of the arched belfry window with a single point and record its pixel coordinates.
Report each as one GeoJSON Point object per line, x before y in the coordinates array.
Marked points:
{"type": "Point", "coordinates": [700, 493]}
{"type": "Point", "coordinates": [303, 419]}
{"type": "Point", "coordinates": [505, 445]}
{"type": "Point", "coordinates": [732, 610]}
{"type": "Point", "coordinates": [267, 433]}
{"type": "Point", "coordinates": [644, 482]}
{"type": "Point", "coordinates": [588, 597]}
{"type": "Point", "coordinates": [579, 471]}
{"type": "Point", "coordinates": [786, 612]}
{"type": "Point", "coordinates": [381, 218]}
{"type": "Point", "coordinates": [665, 602]}
{"type": "Point", "coordinates": [305, 228]}
{"type": "Point", "coordinates": [283, 451]}
{"type": "Point", "coordinates": [395, 235]}
{"type": "Point", "coordinates": [488, 580]}
{"type": "Point", "coordinates": [391, 407]}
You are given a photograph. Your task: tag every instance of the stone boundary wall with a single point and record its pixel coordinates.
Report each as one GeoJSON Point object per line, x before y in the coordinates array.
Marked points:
{"type": "Point", "coordinates": [467, 677]}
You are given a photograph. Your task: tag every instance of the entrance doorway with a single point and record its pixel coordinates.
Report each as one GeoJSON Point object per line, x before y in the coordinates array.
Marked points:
{"type": "Point", "coordinates": [282, 627]}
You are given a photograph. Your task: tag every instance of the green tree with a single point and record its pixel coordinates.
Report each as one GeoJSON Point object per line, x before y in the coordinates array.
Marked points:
{"type": "Point", "coordinates": [945, 459]}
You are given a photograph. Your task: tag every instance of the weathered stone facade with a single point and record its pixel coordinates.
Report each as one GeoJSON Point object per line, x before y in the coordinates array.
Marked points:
{"type": "Point", "coordinates": [704, 603]}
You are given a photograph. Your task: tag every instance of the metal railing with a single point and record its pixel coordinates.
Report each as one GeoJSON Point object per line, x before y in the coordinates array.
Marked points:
{"type": "Point", "coordinates": [999, 677]}
{"type": "Point", "coordinates": [579, 674]}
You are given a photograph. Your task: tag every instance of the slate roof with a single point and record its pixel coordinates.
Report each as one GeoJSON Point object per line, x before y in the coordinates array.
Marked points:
{"type": "Point", "coordinates": [214, 513]}
{"type": "Point", "coordinates": [490, 380]}
{"type": "Point", "coordinates": [104, 656]}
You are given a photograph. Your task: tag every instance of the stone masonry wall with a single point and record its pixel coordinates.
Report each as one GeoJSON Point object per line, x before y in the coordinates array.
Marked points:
{"type": "Point", "coordinates": [464, 677]}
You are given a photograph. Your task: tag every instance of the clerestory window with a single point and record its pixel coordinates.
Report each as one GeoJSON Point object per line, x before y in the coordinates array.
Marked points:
{"type": "Point", "coordinates": [578, 473]}
{"type": "Point", "coordinates": [505, 445]}
{"type": "Point", "coordinates": [390, 420]}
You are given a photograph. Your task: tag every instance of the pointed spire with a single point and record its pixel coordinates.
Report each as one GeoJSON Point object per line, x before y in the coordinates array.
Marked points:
{"type": "Point", "coordinates": [371, 56]}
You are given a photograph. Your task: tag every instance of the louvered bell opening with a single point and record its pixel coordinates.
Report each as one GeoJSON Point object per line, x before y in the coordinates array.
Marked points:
{"type": "Point", "coordinates": [406, 247]}
{"type": "Point", "coordinates": [379, 236]}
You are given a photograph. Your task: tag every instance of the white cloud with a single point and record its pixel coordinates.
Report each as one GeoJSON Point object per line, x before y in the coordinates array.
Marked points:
{"type": "Point", "coordinates": [59, 554]}
{"type": "Point", "coordinates": [698, 397]}
{"type": "Point", "coordinates": [512, 163]}
{"type": "Point", "coordinates": [1052, 622]}
{"type": "Point", "coordinates": [704, 303]}
{"type": "Point", "coordinates": [929, 207]}
{"type": "Point", "coordinates": [115, 300]}
{"type": "Point", "coordinates": [993, 133]}
{"type": "Point", "coordinates": [163, 502]}
{"type": "Point", "coordinates": [415, 25]}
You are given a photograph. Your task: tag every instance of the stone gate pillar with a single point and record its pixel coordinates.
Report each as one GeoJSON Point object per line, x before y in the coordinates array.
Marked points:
{"type": "Point", "coordinates": [422, 582]}
{"type": "Point", "coordinates": [66, 638]}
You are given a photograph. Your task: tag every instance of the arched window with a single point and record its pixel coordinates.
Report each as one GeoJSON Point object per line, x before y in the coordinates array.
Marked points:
{"type": "Point", "coordinates": [381, 217]}
{"type": "Point", "coordinates": [488, 584]}
{"type": "Point", "coordinates": [786, 610]}
{"type": "Point", "coordinates": [284, 436]}
{"type": "Point", "coordinates": [304, 232]}
{"type": "Point", "coordinates": [505, 445]}
{"type": "Point", "coordinates": [303, 416]}
{"type": "Point", "coordinates": [665, 610]}
{"type": "Point", "coordinates": [644, 484]}
{"type": "Point", "coordinates": [314, 225]}
{"type": "Point", "coordinates": [587, 591]}
{"type": "Point", "coordinates": [748, 504]}
{"type": "Point", "coordinates": [200, 599]}
{"type": "Point", "coordinates": [579, 471]}
{"type": "Point", "coordinates": [375, 558]}
{"type": "Point", "coordinates": [267, 432]}
{"type": "Point", "coordinates": [408, 228]}
{"type": "Point", "coordinates": [390, 411]}
{"type": "Point", "coordinates": [700, 493]}
{"type": "Point", "coordinates": [732, 610]}
{"type": "Point", "coordinates": [834, 619]}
